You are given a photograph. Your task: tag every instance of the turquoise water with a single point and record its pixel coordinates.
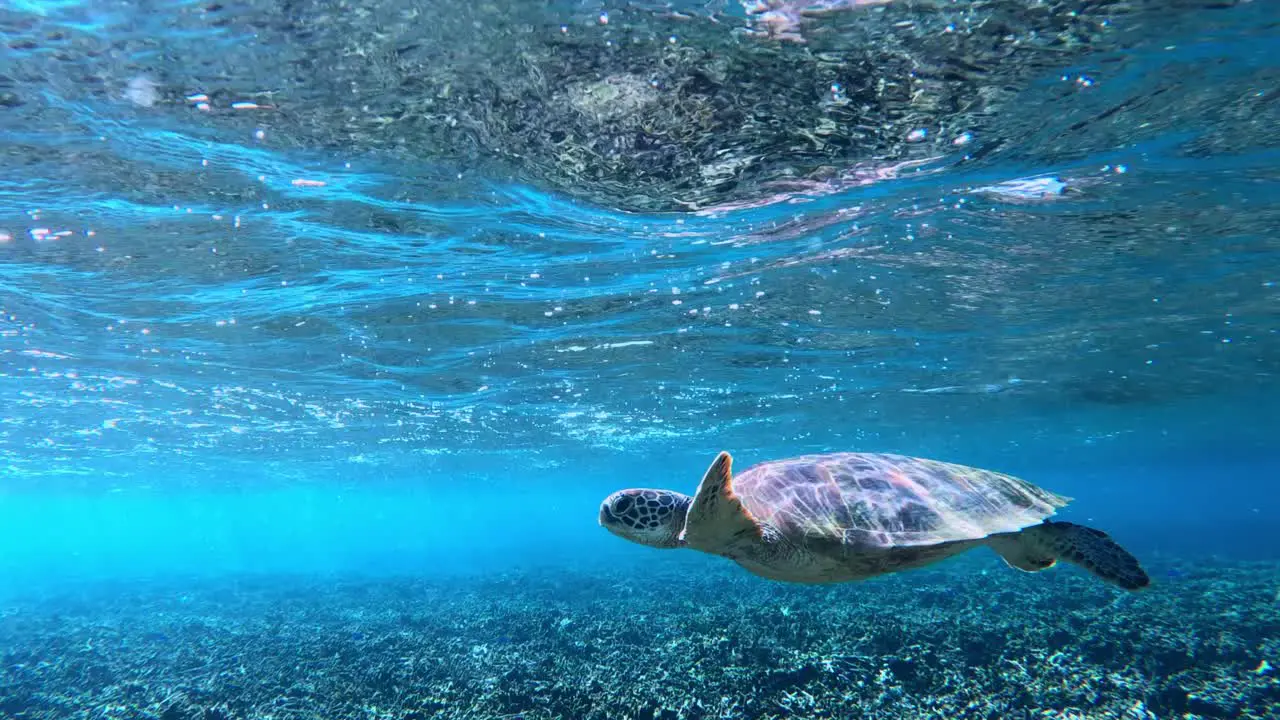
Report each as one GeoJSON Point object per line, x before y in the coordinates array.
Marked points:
{"type": "Point", "coordinates": [254, 331]}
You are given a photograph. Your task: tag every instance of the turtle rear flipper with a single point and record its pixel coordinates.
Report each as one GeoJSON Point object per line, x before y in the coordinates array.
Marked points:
{"type": "Point", "coordinates": [1040, 546]}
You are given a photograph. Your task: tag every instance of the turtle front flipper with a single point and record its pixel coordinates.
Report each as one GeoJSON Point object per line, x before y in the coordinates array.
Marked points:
{"type": "Point", "coordinates": [717, 521]}
{"type": "Point", "coordinates": [1040, 546]}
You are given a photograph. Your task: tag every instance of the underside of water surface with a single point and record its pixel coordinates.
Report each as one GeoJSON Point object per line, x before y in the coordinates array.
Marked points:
{"type": "Point", "coordinates": [327, 325]}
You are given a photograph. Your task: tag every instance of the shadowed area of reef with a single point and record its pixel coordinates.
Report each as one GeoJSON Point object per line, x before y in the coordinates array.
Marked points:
{"type": "Point", "coordinates": [967, 640]}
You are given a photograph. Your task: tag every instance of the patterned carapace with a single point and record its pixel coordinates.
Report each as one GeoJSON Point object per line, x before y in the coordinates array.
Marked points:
{"type": "Point", "coordinates": [884, 500]}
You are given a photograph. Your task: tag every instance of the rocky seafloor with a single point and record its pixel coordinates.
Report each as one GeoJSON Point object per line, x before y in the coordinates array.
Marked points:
{"type": "Point", "coordinates": [674, 640]}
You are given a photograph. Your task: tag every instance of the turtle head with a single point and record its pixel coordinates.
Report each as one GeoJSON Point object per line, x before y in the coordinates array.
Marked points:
{"type": "Point", "coordinates": [649, 517]}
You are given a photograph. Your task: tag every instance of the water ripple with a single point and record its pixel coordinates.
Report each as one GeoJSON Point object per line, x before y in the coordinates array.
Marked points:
{"type": "Point", "coordinates": [174, 288]}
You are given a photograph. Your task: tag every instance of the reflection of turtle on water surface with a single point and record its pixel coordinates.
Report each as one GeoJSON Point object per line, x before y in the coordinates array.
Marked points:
{"type": "Point", "coordinates": [852, 516]}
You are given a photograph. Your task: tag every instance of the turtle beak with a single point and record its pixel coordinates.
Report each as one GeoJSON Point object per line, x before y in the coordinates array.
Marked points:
{"type": "Point", "coordinates": [606, 517]}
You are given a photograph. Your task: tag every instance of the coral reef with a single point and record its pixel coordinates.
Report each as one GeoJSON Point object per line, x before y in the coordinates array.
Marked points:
{"type": "Point", "coordinates": [682, 639]}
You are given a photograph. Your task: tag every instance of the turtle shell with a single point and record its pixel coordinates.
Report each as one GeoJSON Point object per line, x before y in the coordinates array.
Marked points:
{"type": "Point", "coordinates": [882, 500]}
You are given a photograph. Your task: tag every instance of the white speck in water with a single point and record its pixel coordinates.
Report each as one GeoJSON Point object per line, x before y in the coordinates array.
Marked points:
{"type": "Point", "coordinates": [142, 91]}
{"type": "Point", "coordinates": [917, 135]}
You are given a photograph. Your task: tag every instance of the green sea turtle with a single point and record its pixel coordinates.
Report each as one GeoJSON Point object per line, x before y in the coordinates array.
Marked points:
{"type": "Point", "coordinates": [852, 516]}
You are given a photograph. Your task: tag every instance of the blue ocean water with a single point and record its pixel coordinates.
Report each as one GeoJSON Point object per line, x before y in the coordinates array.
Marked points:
{"type": "Point", "coordinates": [237, 343]}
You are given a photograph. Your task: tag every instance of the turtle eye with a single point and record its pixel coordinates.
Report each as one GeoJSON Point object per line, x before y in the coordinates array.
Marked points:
{"type": "Point", "coordinates": [622, 504]}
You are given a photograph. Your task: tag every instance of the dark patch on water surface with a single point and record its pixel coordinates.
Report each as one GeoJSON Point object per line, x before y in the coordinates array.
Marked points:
{"type": "Point", "coordinates": [1113, 389]}
{"type": "Point", "coordinates": [651, 110]}
{"type": "Point", "coordinates": [620, 113]}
